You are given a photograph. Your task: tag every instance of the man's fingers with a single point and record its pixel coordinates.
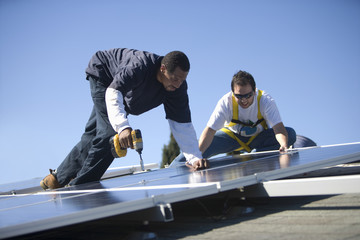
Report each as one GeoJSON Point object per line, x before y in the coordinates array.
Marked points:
{"type": "Point", "coordinates": [190, 166]}
{"type": "Point", "coordinates": [126, 142]}
{"type": "Point", "coordinates": [199, 164]}
{"type": "Point", "coordinates": [130, 142]}
{"type": "Point", "coordinates": [283, 149]}
{"type": "Point", "coordinates": [202, 164]}
{"type": "Point", "coordinates": [193, 166]}
{"type": "Point", "coordinates": [206, 163]}
{"type": "Point", "coordinates": [125, 139]}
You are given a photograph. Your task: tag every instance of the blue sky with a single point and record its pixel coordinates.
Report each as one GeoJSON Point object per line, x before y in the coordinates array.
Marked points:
{"type": "Point", "coordinates": [306, 54]}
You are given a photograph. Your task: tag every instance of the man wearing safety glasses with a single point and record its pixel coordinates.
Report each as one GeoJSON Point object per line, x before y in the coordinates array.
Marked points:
{"type": "Point", "coordinates": [244, 119]}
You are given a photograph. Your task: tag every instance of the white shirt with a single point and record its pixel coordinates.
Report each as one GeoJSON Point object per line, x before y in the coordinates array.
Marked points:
{"type": "Point", "coordinates": [184, 133]}
{"type": "Point", "coordinates": [223, 114]}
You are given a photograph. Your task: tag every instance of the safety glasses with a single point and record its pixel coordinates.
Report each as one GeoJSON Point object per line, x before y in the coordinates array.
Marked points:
{"type": "Point", "coordinates": [246, 96]}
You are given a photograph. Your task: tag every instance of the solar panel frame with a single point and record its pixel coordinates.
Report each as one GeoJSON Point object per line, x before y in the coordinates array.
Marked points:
{"type": "Point", "coordinates": [135, 192]}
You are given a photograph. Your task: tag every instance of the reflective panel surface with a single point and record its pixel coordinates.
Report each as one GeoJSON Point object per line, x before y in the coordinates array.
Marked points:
{"type": "Point", "coordinates": [26, 213]}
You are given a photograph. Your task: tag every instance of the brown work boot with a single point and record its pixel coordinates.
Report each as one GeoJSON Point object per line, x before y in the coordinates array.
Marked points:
{"type": "Point", "coordinates": [50, 181]}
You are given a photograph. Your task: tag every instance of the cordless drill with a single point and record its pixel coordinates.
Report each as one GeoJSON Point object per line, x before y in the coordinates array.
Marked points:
{"type": "Point", "coordinates": [118, 152]}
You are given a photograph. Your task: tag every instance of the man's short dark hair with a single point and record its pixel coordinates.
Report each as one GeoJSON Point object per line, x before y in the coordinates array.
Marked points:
{"type": "Point", "coordinates": [243, 78]}
{"type": "Point", "coordinates": [175, 59]}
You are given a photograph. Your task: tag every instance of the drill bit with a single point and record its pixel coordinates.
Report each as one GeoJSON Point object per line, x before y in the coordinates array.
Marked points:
{"type": "Point", "coordinates": [141, 163]}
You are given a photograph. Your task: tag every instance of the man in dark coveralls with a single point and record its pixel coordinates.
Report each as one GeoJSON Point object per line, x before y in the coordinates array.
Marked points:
{"type": "Point", "coordinates": [127, 81]}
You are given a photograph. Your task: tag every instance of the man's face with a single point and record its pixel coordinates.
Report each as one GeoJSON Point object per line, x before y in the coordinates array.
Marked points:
{"type": "Point", "coordinates": [172, 81]}
{"type": "Point", "coordinates": [244, 95]}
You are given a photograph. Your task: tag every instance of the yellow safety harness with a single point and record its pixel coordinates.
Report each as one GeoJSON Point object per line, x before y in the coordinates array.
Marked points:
{"type": "Point", "coordinates": [235, 120]}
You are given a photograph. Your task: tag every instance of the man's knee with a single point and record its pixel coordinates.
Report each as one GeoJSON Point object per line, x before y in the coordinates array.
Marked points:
{"type": "Point", "coordinates": [291, 135]}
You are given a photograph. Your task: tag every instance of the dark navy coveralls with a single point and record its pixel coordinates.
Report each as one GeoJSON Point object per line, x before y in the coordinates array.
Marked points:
{"type": "Point", "coordinates": [133, 73]}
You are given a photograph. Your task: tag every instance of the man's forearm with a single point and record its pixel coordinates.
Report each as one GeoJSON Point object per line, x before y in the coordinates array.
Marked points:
{"type": "Point", "coordinates": [116, 110]}
{"type": "Point", "coordinates": [281, 135]}
{"type": "Point", "coordinates": [282, 139]}
{"type": "Point", "coordinates": [185, 136]}
{"type": "Point", "coordinates": [206, 139]}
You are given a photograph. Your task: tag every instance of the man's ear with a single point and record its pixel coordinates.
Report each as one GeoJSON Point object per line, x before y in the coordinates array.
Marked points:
{"type": "Point", "coordinates": [162, 68]}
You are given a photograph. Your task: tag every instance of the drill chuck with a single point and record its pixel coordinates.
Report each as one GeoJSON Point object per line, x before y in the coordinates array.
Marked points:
{"type": "Point", "coordinates": [137, 140]}
{"type": "Point", "coordinates": [138, 145]}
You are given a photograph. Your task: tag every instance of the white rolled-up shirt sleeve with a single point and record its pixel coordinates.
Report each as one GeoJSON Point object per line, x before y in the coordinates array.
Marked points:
{"type": "Point", "coordinates": [116, 110]}
{"type": "Point", "coordinates": [185, 136]}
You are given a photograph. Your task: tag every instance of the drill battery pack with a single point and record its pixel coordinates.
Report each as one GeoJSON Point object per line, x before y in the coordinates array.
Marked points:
{"type": "Point", "coordinates": [116, 150]}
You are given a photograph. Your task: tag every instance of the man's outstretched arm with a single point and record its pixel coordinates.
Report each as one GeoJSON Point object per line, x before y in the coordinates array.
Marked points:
{"type": "Point", "coordinates": [281, 136]}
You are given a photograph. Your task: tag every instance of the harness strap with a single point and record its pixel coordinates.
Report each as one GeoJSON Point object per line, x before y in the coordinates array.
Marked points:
{"type": "Point", "coordinates": [235, 120]}
{"type": "Point", "coordinates": [247, 124]}
{"type": "Point", "coordinates": [235, 112]}
{"type": "Point", "coordinates": [243, 145]}
{"type": "Point", "coordinates": [259, 116]}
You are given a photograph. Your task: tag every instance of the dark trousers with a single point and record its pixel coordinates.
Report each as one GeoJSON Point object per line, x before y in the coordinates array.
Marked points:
{"type": "Point", "coordinates": [223, 143]}
{"type": "Point", "coordinates": [90, 158]}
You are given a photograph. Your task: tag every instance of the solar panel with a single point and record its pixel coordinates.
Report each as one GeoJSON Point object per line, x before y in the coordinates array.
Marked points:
{"type": "Point", "coordinates": [31, 212]}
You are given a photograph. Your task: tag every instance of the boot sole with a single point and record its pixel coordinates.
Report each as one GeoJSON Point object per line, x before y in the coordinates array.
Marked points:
{"type": "Point", "coordinates": [42, 184]}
